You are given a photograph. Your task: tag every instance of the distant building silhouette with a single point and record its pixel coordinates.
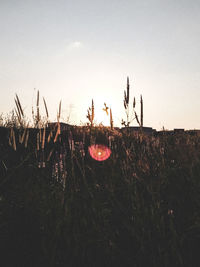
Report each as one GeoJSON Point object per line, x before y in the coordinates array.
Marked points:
{"type": "Point", "coordinates": [146, 130]}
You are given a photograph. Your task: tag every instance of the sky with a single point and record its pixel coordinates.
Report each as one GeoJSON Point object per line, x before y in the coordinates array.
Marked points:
{"type": "Point", "coordinates": [76, 51]}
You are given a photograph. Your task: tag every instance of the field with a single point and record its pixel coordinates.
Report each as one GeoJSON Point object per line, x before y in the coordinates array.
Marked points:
{"type": "Point", "coordinates": [60, 207]}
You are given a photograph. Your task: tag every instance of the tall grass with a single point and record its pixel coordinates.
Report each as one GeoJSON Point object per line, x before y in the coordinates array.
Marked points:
{"type": "Point", "coordinates": [59, 207]}
{"type": "Point", "coordinates": [138, 208]}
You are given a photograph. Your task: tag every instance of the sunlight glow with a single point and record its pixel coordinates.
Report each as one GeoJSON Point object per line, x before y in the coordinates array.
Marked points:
{"type": "Point", "coordinates": [102, 112]}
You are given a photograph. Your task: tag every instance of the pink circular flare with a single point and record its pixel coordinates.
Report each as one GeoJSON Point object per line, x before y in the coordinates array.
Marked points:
{"type": "Point", "coordinates": [99, 152]}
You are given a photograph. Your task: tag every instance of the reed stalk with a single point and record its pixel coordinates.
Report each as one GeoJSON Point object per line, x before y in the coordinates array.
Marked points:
{"type": "Point", "coordinates": [38, 110]}
{"type": "Point", "coordinates": [38, 141]}
{"type": "Point", "coordinates": [14, 140]}
{"type": "Point", "coordinates": [43, 138]}
{"type": "Point", "coordinates": [141, 116]}
{"type": "Point", "coordinates": [26, 140]}
{"type": "Point", "coordinates": [46, 109]}
{"type": "Point", "coordinates": [111, 119]}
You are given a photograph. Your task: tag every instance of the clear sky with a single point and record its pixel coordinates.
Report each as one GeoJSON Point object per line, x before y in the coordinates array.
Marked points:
{"type": "Point", "coordinates": [78, 50]}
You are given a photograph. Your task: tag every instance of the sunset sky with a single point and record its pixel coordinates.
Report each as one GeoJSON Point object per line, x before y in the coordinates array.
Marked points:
{"type": "Point", "coordinates": [79, 50]}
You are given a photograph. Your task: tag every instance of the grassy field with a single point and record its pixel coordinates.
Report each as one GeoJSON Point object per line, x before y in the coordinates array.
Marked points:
{"type": "Point", "coordinates": [59, 207]}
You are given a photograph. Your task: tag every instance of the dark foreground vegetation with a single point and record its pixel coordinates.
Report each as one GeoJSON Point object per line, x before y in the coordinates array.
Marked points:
{"type": "Point", "coordinates": [59, 207]}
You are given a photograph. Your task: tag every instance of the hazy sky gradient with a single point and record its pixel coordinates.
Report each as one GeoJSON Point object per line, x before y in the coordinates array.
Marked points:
{"type": "Point", "coordinates": [79, 50]}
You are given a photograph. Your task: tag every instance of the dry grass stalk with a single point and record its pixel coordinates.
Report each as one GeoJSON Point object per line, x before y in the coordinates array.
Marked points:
{"type": "Point", "coordinates": [90, 114]}
{"type": "Point", "coordinates": [127, 89]}
{"type": "Point", "coordinates": [38, 110]}
{"type": "Point", "coordinates": [26, 140]}
{"type": "Point", "coordinates": [38, 98]}
{"type": "Point", "coordinates": [18, 116]}
{"type": "Point", "coordinates": [57, 133]}
{"type": "Point", "coordinates": [20, 107]}
{"type": "Point", "coordinates": [33, 114]}
{"type": "Point", "coordinates": [45, 105]}
{"type": "Point", "coordinates": [59, 112]}
{"type": "Point", "coordinates": [49, 156]}
{"type": "Point", "coordinates": [126, 104]}
{"type": "Point", "coordinates": [111, 119]}
{"type": "Point", "coordinates": [43, 138]}
{"type": "Point", "coordinates": [20, 137]}
{"type": "Point", "coordinates": [40, 135]}
{"type": "Point", "coordinates": [19, 112]}
{"type": "Point", "coordinates": [24, 133]}
{"type": "Point", "coordinates": [141, 116]}
{"type": "Point", "coordinates": [10, 137]}
{"type": "Point", "coordinates": [38, 143]}
{"type": "Point", "coordinates": [49, 136]}
{"type": "Point", "coordinates": [126, 94]}
{"type": "Point", "coordinates": [92, 110]}
{"type": "Point", "coordinates": [136, 116]}
{"type": "Point", "coordinates": [14, 142]}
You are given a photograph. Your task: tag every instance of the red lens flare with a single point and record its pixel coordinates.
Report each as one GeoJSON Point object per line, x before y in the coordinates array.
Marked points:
{"type": "Point", "coordinates": [99, 152]}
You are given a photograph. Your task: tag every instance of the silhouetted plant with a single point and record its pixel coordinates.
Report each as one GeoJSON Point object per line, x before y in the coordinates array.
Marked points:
{"type": "Point", "coordinates": [129, 118]}
{"type": "Point", "coordinates": [90, 114]}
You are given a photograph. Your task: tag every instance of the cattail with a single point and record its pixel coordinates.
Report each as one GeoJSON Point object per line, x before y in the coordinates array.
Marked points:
{"type": "Point", "coordinates": [134, 102]}
{"type": "Point", "coordinates": [20, 107]}
{"type": "Point", "coordinates": [18, 111]}
{"type": "Point", "coordinates": [59, 113]}
{"type": "Point", "coordinates": [38, 98]}
{"type": "Point", "coordinates": [45, 105]}
{"type": "Point", "coordinates": [33, 113]}
{"type": "Point", "coordinates": [141, 116]}
{"type": "Point", "coordinates": [88, 115]}
{"type": "Point", "coordinates": [127, 88]}
{"type": "Point", "coordinates": [125, 97]}
{"type": "Point", "coordinates": [92, 111]}
{"type": "Point", "coordinates": [125, 100]}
